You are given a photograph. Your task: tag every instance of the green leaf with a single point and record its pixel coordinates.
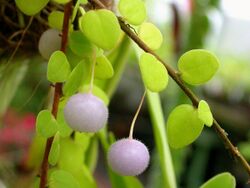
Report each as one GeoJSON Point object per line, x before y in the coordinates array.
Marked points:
{"type": "Point", "coordinates": [101, 27]}
{"type": "Point", "coordinates": [36, 151]}
{"type": "Point", "coordinates": [58, 67]}
{"type": "Point", "coordinates": [97, 92]}
{"type": "Point", "coordinates": [55, 150]}
{"type": "Point", "coordinates": [183, 126]}
{"type": "Point", "coordinates": [55, 19]}
{"type": "Point", "coordinates": [103, 68]}
{"type": "Point", "coordinates": [91, 155]}
{"type": "Point", "coordinates": [154, 74]}
{"type": "Point", "coordinates": [46, 125]}
{"type": "Point", "coordinates": [80, 45]}
{"type": "Point", "coordinates": [158, 122]}
{"type": "Point", "coordinates": [197, 66]}
{"type": "Point", "coordinates": [225, 180]}
{"type": "Point", "coordinates": [83, 140]}
{"type": "Point", "coordinates": [63, 179]}
{"type": "Point", "coordinates": [74, 81]}
{"type": "Point", "coordinates": [132, 181]}
{"type": "Point", "coordinates": [84, 177]}
{"type": "Point", "coordinates": [150, 35]}
{"type": "Point", "coordinates": [83, 1]}
{"type": "Point", "coordinates": [71, 155]}
{"type": "Point", "coordinates": [62, 1]}
{"type": "Point", "coordinates": [31, 7]}
{"type": "Point", "coordinates": [205, 114]}
{"type": "Point", "coordinates": [63, 127]}
{"type": "Point", "coordinates": [133, 11]}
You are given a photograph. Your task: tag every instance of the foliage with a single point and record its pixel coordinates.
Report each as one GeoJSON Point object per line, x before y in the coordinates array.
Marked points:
{"type": "Point", "coordinates": [90, 64]}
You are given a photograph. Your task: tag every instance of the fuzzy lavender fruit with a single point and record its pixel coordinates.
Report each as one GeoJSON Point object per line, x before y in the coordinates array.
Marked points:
{"type": "Point", "coordinates": [49, 42]}
{"type": "Point", "coordinates": [128, 157]}
{"type": "Point", "coordinates": [85, 113]}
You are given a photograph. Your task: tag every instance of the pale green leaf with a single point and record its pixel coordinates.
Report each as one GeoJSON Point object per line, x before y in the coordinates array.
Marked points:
{"type": "Point", "coordinates": [222, 180]}
{"type": "Point", "coordinates": [55, 150]}
{"type": "Point", "coordinates": [58, 67]}
{"type": "Point", "coordinates": [62, 1]}
{"type": "Point", "coordinates": [133, 11]}
{"type": "Point", "coordinates": [71, 155]}
{"type": "Point", "coordinates": [80, 45]}
{"type": "Point", "coordinates": [101, 27]}
{"type": "Point", "coordinates": [74, 81]}
{"type": "Point", "coordinates": [84, 177]}
{"type": "Point", "coordinates": [31, 7]}
{"type": "Point", "coordinates": [55, 19]}
{"type": "Point", "coordinates": [154, 74]}
{"type": "Point", "coordinates": [150, 35]}
{"type": "Point", "coordinates": [132, 181]}
{"type": "Point", "coordinates": [46, 125]}
{"type": "Point", "coordinates": [62, 179]}
{"type": "Point", "coordinates": [197, 66]}
{"type": "Point", "coordinates": [63, 128]}
{"type": "Point", "coordinates": [205, 114]}
{"type": "Point", "coordinates": [83, 140]}
{"type": "Point", "coordinates": [183, 126]}
{"type": "Point", "coordinates": [103, 68]}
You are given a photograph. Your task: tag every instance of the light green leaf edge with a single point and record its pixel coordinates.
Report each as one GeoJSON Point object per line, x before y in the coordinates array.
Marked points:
{"type": "Point", "coordinates": [219, 176]}
{"type": "Point", "coordinates": [204, 113]}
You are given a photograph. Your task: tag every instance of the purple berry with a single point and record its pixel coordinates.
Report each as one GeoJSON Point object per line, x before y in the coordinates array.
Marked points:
{"type": "Point", "coordinates": [85, 113]}
{"type": "Point", "coordinates": [128, 157]}
{"type": "Point", "coordinates": [49, 42]}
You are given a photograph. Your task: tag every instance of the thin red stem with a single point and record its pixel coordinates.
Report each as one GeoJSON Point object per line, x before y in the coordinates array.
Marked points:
{"type": "Point", "coordinates": [57, 95]}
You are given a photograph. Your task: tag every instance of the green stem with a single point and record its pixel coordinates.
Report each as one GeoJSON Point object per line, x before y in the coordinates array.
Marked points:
{"type": "Point", "coordinates": [159, 130]}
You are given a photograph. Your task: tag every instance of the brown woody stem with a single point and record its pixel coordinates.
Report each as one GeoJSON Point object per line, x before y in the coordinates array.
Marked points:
{"type": "Point", "coordinates": [57, 95]}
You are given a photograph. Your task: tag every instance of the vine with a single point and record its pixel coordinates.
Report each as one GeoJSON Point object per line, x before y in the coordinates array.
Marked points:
{"type": "Point", "coordinates": [175, 76]}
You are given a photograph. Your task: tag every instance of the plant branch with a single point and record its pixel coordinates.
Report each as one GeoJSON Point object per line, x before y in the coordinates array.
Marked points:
{"type": "Point", "coordinates": [57, 95]}
{"type": "Point", "coordinates": [173, 73]}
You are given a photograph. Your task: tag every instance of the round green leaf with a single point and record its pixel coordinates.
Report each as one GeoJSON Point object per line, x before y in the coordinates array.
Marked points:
{"type": "Point", "coordinates": [58, 67]}
{"type": "Point", "coordinates": [83, 139]}
{"type": "Point", "coordinates": [97, 92]}
{"type": "Point", "coordinates": [62, 1]}
{"type": "Point", "coordinates": [197, 66]}
{"type": "Point", "coordinates": [63, 127]}
{"type": "Point", "coordinates": [154, 74]}
{"type": "Point", "coordinates": [205, 114]}
{"type": "Point", "coordinates": [150, 35]}
{"type": "Point", "coordinates": [74, 81]}
{"type": "Point", "coordinates": [101, 27]}
{"type": "Point", "coordinates": [103, 68]}
{"type": "Point", "coordinates": [133, 11]}
{"type": "Point", "coordinates": [223, 180]}
{"type": "Point", "coordinates": [55, 150]}
{"type": "Point", "coordinates": [80, 45]}
{"type": "Point", "coordinates": [71, 155]}
{"type": "Point", "coordinates": [55, 19]}
{"type": "Point", "coordinates": [62, 179]}
{"type": "Point", "coordinates": [31, 7]}
{"type": "Point", "coordinates": [46, 124]}
{"type": "Point", "coordinates": [183, 126]}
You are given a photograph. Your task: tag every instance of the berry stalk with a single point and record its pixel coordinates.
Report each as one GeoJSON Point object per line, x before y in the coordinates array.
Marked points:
{"type": "Point", "coordinates": [136, 115]}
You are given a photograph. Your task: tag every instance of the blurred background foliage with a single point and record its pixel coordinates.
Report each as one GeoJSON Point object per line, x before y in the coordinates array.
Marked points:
{"type": "Point", "coordinates": [220, 26]}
